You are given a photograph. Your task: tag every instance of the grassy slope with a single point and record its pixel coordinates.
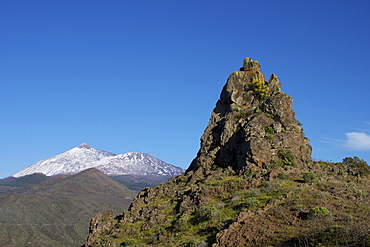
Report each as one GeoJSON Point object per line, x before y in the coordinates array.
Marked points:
{"type": "Point", "coordinates": [26, 180]}
{"type": "Point", "coordinates": [322, 205]}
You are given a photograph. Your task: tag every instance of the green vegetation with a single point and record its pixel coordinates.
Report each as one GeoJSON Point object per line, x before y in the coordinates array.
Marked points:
{"type": "Point", "coordinates": [243, 114]}
{"type": "Point", "coordinates": [283, 175]}
{"type": "Point", "coordinates": [26, 180]}
{"type": "Point", "coordinates": [268, 115]}
{"type": "Point", "coordinates": [326, 233]}
{"type": "Point", "coordinates": [269, 133]}
{"type": "Point", "coordinates": [286, 158]}
{"type": "Point", "coordinates": [260, 88]}
{"type": "Point", "coordinates": [319, 212]}
{"type": "Point", "coordinates": [357, 166]}
{"type": "Point", "coordinates": [309, 177]}
{"type": "Point", "coordinates": [200, 224]}
{"type": "Point", "coordinates": [269, 130]}
{"type": "Point", "coordinates": [269, 137]}
{"type": "Point", "coordinates": [292, 208]}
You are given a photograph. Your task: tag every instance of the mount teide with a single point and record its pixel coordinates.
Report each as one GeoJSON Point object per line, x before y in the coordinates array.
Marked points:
{"type": "Point", "coordinates": [84, 157]}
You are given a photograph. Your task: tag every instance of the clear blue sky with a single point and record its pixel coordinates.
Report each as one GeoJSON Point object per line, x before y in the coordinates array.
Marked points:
{"type": "Point", "coordinates": [144, 76]}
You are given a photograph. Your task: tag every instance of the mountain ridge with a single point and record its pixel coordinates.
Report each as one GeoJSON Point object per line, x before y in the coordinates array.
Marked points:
{"type": "Point", "coordinates": [84, 157]}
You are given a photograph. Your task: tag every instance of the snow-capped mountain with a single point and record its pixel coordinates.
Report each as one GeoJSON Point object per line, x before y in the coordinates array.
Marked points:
{"type": "Point", "coordinates": [136, 163]}
{"type": "Point", "coordinates": [84, 156]}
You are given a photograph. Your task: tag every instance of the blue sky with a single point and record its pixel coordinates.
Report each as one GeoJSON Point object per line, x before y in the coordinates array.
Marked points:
{"type": "Point", "coordinates": [144, 76]}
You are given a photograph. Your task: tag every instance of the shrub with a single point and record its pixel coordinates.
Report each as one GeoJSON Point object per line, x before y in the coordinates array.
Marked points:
{"type": "Point", "coordinates": [319, 212]}
{"type": "Point", "coordinates": [260, 88]}
{"type": "Point", "coordinates": [309, 177]}
{"type": "Point", "coordinates": [287, 157]}
{"type": "Point", "coordinates": [323, 164]}
{"type": "Point", "coordinates": [183, 220]}
{"type": "Point", "coordinates": [329, 235]}
{"type": "Point", "coordinates": [275, 163]}
{"type": "Point", "coordinates": [250, 204]}
{"type": "Point", "coordinates": [204, 213]}
{"type": "Point", "coordinates": [357, 166]}
{"type": "Point", "coordinates": [242, 115]}
{"type": "Point", "coordinates": [269, 137]}
{"type": "Point", "coordinates": [269, 130]}
{"type": "Point", "coordinates": [268, 115]}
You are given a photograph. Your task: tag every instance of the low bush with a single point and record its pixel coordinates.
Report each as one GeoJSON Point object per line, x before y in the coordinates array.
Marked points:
{"type": "Point", "coordinates": [356, 166]}
{"type": "Point", "coordinates": [286, 158]}
{"type": "Point", "coordinates": [204, 213]}
{"type": "Point", "coordinates": [260, 88]}
{"type": "Point", "coordinates": [269, 130]}
{"type": "Point", "coordinates": [269, 137]}
{"type": "Point", "coordinates": [319, 212]}
{"type": "Point", "coordinates": [309, 177]}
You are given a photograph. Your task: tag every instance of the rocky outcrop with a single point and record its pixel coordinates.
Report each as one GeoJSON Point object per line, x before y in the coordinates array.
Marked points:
{"type": "Point", "coordinates": [252, 183]}
{"type": "Point", "coordinates": [252, 126]}
{"type": "Point", "coordinates": [100, 223]}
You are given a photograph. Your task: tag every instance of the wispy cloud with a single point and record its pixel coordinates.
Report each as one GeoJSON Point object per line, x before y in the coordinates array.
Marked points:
{"type": "Point", "coordinates": [333, 142]}
{"type": "Point", "coordinates": [359, 141]}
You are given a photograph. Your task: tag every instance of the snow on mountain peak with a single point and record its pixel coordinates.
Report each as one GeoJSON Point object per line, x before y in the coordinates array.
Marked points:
{"type": "Point", "coordinates": [84, 156]}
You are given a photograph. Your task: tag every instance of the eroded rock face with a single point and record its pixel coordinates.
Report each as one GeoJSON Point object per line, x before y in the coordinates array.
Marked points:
{"type": "Point", "coordinates": [100, 223]}
{"type": "Point", "coordinates": [252, 126]}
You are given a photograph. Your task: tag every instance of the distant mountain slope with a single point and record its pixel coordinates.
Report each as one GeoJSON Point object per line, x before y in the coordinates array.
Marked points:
{"type": "Point", "coordinates": [136, 163]}
{"type": "Point", "coordinates": [73, 161]}
{"type": "Point", "coordinates": [34, 178]}
{"type": "Point", "coordinates": [57, 211]}
{"type": "Point", "coordinates": [84, 157]}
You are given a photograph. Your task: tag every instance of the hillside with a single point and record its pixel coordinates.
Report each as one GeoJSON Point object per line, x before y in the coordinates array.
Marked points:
{"type": "Point", "coordinates": [252, 183]}
{"type": "Point", "coordinates": [56, 211]}
{"type": "Point", "coordinates": [34, 178]}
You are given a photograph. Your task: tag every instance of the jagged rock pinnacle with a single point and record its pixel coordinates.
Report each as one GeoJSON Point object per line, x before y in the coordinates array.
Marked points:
{"type": "Point", "coordinates": [249, 64]}
{"type": "Point", "coordinates": [253, 125]}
